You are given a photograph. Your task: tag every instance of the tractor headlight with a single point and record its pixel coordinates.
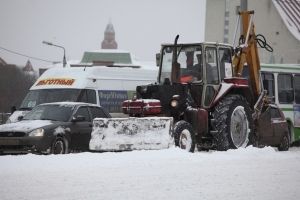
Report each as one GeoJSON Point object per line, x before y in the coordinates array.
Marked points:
{"type": "Point", "coordinates": [174, 103]}
{"type": "Point", "coordinates": [37, 133]}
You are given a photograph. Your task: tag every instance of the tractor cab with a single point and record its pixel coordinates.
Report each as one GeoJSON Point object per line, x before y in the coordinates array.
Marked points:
{"type": "Point", "coordinates": [201, 66]}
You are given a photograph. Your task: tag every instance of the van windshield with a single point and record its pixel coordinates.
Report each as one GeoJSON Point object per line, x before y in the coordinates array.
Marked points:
{"type": "Point", "coordinates": [36, 97]}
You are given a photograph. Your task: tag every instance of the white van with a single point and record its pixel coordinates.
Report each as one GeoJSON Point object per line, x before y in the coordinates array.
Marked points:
{"type": "Point", "coordinates": [102, 85]}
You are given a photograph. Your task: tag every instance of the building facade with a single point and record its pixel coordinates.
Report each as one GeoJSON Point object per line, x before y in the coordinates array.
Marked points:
{"type": "Point", "coordinates": [277, 20]}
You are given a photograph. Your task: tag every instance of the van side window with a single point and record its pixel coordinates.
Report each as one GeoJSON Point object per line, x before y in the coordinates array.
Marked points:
{"type": "Point", "coordinates": [88, 96]}
{"type": "Point", "coordinates": [285, 88]}
{"type": "Point", "coordinates": [91, 96]}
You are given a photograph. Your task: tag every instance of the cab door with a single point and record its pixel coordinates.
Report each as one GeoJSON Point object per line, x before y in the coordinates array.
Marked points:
{"type": "Point", "coordinates": [212, 78]}
{"type": "Point", "coordinates": [81, 129]}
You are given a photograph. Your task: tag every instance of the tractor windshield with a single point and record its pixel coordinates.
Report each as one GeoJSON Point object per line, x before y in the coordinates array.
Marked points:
{"type": "Point", "coordinates": [189, 59]}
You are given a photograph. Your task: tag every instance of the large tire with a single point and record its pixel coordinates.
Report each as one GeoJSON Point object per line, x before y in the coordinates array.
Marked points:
{"type": "Point", "coordinates": [59, 146]}
{"type": "Point", "coordinates": [233, 123]}
{"type": "Point", "coordinates": [285, 143]}
{"type": "Point", "coordinates": [184, 136]}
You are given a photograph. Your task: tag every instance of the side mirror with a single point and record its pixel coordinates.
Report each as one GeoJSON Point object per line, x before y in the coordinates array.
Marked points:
{"type": "Point", "coordinates": [13, 109]}
{"type": "Point", "coordinates": [20, 118]}
{"type": "Point", "coordinates": [158, 59]}
{"type": "Point", "coordinates": [78, 118]}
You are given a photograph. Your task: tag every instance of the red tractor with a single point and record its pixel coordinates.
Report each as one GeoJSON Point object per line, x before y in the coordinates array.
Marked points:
{"type": "Point", "coordinates": [213, 92]}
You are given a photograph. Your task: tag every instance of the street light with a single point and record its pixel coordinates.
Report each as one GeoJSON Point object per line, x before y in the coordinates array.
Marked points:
{"type": "Point", "coordinates": [51, 44]}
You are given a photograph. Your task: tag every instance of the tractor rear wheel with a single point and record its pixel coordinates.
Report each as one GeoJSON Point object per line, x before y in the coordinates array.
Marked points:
{"type": "Point", "coordinates": [184, 136]}
{"type": "Point", "coordinates": [233, 123]}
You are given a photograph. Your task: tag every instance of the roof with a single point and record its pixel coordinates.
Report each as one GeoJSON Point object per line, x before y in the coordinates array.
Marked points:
{"type": "Point", "coordinates": [289, 10]}
{"type": "Point", "coordinates": [112, 56]}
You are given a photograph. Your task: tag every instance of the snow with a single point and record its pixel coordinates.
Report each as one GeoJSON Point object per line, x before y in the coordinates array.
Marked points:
{"type": "Point", "coordinates": [24, 125]}
{"type": "Point", "coordinates": [250, 173]}
{"type": "Point", "coordinates": [115, 134]}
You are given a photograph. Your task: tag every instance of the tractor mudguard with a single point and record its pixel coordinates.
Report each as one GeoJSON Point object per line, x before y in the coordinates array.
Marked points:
{"type": "Point", "coordinates": [235, 87]}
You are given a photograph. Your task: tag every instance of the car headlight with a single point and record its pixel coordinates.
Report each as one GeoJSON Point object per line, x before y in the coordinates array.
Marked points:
{"type": "Point", "coordinates": [37, 133]}
{"type": "Point", "coordinates": [174, 103]}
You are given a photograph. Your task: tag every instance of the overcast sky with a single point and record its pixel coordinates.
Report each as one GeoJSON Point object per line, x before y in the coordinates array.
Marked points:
{"type": "Point", "coordinates": [78, 25]}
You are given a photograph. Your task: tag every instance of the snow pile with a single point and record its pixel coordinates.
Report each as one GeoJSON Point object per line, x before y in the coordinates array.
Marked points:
{"type": "Point", "coordinates": [243, 174]}
{"type": "Point", "coordinates": [115, 134]}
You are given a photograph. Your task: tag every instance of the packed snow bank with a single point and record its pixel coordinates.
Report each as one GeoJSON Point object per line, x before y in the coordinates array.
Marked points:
{"type": "Point", "coordinates": [118, 134]}
{"type": "Point", "coordinates": [250, 173]}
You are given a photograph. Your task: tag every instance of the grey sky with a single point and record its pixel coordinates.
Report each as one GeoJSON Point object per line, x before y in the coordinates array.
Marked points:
{"type": "Point", "coordinates": [78, 25]}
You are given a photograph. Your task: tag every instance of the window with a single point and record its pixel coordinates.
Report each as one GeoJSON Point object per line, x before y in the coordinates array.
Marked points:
{"type": "Point", "coordinates": [97, 113]}
{"type": "Point", "coordinates": [225, 63]}
{"type": "Point", "coordinates": [275, 114]}
{"type": "Point", "coordinates": [268, 83]}
{"type": "Point", "coordinates": [285, 88]}
{"type": "Point", "coordinates": [297, 88]}
{"type": "Point", "coordinates": [83, 111]}
{"type": "Point", "coordinates": [212, 75]}
{"type": "Point", "coordinates": [88, 96]}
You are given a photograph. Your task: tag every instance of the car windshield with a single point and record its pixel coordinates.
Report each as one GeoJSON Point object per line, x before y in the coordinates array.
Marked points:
{"type": "Point", "coordinates": [50, 112]}
{"type": "Point", "coordinates": [36, 97]}
{"type": "Point", "coordinates": [189, 59]}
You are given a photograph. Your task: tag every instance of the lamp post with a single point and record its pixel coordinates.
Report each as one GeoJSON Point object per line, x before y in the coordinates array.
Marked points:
{"type": "Point", "coordinates": [64, 58]}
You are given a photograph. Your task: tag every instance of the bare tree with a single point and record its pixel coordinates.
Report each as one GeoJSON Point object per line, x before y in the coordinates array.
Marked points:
{"type": "Point", "coordinates": [14, 84]}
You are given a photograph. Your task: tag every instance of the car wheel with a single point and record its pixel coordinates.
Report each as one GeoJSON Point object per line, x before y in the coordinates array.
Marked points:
{"type": "Point", "coordinates": [59, 146]}
{"type": "Point", "coordinates": [285, 143]}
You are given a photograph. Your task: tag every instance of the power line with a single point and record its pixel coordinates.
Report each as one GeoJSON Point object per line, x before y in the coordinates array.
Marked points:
{"type": "Point", "coordinates": [31, 57]}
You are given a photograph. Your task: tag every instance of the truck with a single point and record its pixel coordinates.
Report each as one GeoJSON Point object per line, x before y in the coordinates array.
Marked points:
{"type": "Point", "coordinates": [213, 93]}
{"type": "Point", "coordinates": [104, 84]}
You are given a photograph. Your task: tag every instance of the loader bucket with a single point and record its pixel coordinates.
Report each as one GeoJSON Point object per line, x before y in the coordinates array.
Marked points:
{"type": "Point", "coordinates": [125, 134]}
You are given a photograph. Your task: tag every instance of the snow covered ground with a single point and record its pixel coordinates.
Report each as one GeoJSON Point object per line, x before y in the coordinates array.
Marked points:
{"type": "Point", "coordinates": [249, 173]}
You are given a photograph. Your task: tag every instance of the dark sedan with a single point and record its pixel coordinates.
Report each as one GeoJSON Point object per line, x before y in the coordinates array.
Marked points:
{"type": "Point", "coordinates": [52, 128]}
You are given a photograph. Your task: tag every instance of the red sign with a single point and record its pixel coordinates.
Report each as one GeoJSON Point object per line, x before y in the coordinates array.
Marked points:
{"type": "Point", "coordinates": [56, 81]}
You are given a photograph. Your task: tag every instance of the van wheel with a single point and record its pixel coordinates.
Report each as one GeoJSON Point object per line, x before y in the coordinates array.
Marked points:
{"type": "Point", "coordinates": [285, 143]}
{"type": "Point", "coordinates": [233, 123]}
{"type": "Point", "coordinates": [184, 136]}
{"type": "Point", "coordinates": [59, 146]}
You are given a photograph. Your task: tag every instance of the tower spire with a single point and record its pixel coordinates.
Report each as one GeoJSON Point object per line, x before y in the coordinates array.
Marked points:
{"type": "Point", "coordinates": [109, 41]}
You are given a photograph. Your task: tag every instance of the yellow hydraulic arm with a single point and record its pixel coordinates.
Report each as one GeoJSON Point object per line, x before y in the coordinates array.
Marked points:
{"type": "Point", "coordinates": [248, 53]}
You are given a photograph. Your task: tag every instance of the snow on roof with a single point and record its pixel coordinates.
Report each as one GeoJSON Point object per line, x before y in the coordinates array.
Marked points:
{"type": "Point", "coordinates": [289, 11]}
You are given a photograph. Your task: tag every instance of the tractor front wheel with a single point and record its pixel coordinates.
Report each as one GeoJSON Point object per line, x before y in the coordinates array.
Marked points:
{"type": "Point", "coordinates": [184, 136]}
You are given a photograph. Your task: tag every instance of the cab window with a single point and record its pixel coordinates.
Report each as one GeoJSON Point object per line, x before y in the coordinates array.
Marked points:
{"type": "Point", "coordinates": [225, 63]}
{"type": "Point", "coordinates": [212, 75]}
